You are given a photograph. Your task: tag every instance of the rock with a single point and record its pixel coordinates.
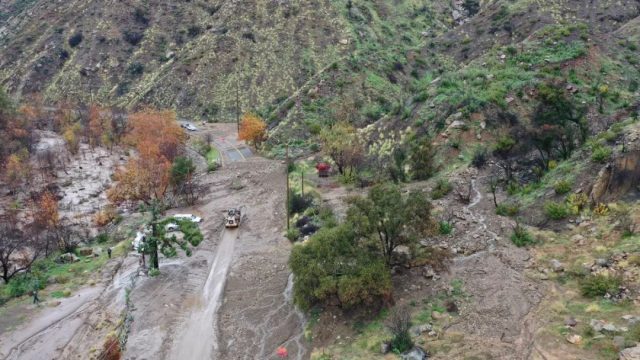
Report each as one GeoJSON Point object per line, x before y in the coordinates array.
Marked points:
{"type": "Point", "coordinates": [619, 342]}
{"type": "Point", "coordinates": [385, 347]}
{"type": "Point", "coordinates": [428, 272]}
{"type": "Point", "coordinates": [602, 262]}
{"type": "Point", "coordinates": [436, 315]}
{"type": "Point", "coordinates": [457, 124]}
{"type": "Point", "coordinates": [597, 325]}
{"type": "Point", "coordinates": [574, 339]}
{"type": "Point", "coordinates": [68, 258]}
{"type": "Point", "coordinates": [632, 319]}
{"type": "Point", "coordinates": [456, 15]}
{"type": "Point", "coordinates": [570, 322]}
{"type": "Point", "coordinates": [85, 251]}
{"type": "Point", "coordinates": [578, 239]}
{"type": "Point", "coordinates": [556, 265]}
{"type": "Point", "coordinates": [630, 353]}
{"type": "Point", "coordinates": [416, 353]}
{"type": "Point", "coordinates": [418, 330]}
{"type": "Point", "coordinates": [344, 41]}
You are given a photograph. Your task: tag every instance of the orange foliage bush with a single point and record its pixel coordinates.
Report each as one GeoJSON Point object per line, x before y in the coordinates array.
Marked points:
{"type": "Point", "coordinates": [158, 139]}
{"type": "Point", "coordinates": [105, 216]}
{"type": "Point", "coordinates": [252, 129]}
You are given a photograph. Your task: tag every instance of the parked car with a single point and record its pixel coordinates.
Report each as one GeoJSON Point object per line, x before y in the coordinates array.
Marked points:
{"type": "Point", "coordinates": [189, 126]}
{"type": "Point", "coordinates": [171, 227]}
{"type": "Point", "coordinates": [191, 217]}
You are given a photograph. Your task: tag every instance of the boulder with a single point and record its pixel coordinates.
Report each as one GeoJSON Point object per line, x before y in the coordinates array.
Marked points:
{"type": "Point", "coordinates": [85, 251]}
{"type": "Point", "coordinates": [68, 258]}
{"type": "Point", "coordinates": [428, 272]}
{"type": "Point", "coordinates": [630, 353]}
{"type": "Point", "coordinates": [385, 347]}
{"type": "Point", "coordinates": [416, 353]}
{"type": "Point", "coordinates": [574, 339]}
{"type": "Point", "coordinates": [556, 265]}
{"type": "Point", "coordinates": [418, 330]}
{"type": "Point", "coordinates": [571, 322]}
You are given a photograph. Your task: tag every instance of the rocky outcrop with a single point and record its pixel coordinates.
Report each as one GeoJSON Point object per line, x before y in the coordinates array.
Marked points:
{"type": "Point", "coordinates": [616, 178]}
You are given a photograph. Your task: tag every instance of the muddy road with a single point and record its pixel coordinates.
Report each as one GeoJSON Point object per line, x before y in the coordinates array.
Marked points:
{"type": "Point", "coordinates": [232, 298]}
{"type": "Point", "coordinates": [191, 342]}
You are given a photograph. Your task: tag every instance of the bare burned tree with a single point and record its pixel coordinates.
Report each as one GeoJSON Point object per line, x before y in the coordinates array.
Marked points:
{"type": "Point", "coordinates": [18, 251]}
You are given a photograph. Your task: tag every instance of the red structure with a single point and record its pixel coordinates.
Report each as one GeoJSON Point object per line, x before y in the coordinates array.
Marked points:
{"type": "Point", "coordinates": [323, 169]}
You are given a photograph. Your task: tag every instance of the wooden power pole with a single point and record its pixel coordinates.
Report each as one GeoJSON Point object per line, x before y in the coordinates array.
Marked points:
{"type": "Point", "coordinates": [288, 195]}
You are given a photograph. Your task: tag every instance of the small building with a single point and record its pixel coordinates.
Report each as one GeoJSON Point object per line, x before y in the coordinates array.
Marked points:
{"type": "Point", "coordinates": [323, 169]}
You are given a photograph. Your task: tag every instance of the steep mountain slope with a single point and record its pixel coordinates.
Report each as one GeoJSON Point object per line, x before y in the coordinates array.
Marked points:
{"type": "Point", "coordinates": [189, 55]}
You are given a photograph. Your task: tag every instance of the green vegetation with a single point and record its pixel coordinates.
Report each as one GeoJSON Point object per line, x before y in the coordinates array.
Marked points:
{"type": "Point", "coordinates": [350, 263]}
{"type": "Point", "coordinates": [555, 210]}
{"type": "Point", "coordinates": [600, 285]}
{"type": "Point", "coordinates": [442, 188]}
{"type": "Point", "coordinates": [521, 237]}
{"type": "Point", "coordinates": [511, 208]}
{"type": "Point", "coordinates": [445, 228]}
{"type": "Point", "coordinates": [562, 187]}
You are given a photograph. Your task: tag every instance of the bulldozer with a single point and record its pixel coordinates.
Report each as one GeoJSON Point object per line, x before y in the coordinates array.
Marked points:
{"type": "Point", "coordinates": [233, 217]}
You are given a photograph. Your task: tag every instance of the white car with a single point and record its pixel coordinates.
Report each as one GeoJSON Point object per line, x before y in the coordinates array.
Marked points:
{"type": "Point", "coordinates": [171, 227]}
{"type": "Point", "coordinates": [191, 217]}
{"type": "Point", "coordinates": [189, 126]}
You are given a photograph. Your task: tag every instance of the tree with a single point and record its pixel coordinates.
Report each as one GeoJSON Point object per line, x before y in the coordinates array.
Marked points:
{"type": "Point", "coordinates": [391, 219]}
{"type": "Point", "coordinates": [341, 143]}
{"type": "Point", "coordinates": [183, 180]}
{"type": "Point", "coordinates": [559, 124]}
{"type": "Point", "coordinates": [333, 268]}
{"type": "Point", "coordinates": [100, 126]}
{"type": "Point", "coordinates": [17, 169]}
{"type": "Point", "coordinates": [252, 129]}
{"type": "Point", "coordinates": [503, 150]}
{"type": "Point", "coordinates": [158, 140]}
{"type": "Point", "coordinates": [422, 154]}
{"type": "Point", "coordinates": [17, 250]}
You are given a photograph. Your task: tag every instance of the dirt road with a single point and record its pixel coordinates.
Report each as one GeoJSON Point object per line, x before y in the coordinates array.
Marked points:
{"type": "Point", "coordinates": [189, 311]}
{"type": "Point", "coordinates": [192, 342]}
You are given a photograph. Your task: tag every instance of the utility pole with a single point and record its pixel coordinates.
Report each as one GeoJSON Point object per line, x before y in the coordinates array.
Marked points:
{"type": "Point", "coordinates": [237, 99]}
{"type": "Point", "coordinates": [288, 195]}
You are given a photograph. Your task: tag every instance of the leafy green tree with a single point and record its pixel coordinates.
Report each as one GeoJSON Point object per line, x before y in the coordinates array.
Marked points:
{"type": "Point", "coordinates": [182, 179]}
{"type": "Point", "coordinates": [341, 143]}
{"type": "Point", "coordinates": [559, 124]}
{"type": "Point", "coordinates": [421, 158]}
{"type": "Point", "coordinates": [157, 241]}
{"type": "Point", "coordinates": [333, 267]}
{"type": "Point", "coordinates": [390, 218]}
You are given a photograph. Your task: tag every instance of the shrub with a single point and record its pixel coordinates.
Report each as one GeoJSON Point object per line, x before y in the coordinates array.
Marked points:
{"type": "Point", "coordinates": [445, 228]}
{"type": "Point", "coordinates": [213, 166]}
{"type": "Point", "coordinates": [299, 203]}
{"type": "Point", "coordinates": [577, 202]}
{"type": "Point", "coordinates": [293, 234]}
{"type": "Point", "coordinates": [111, 349]}
{"type": "Point", "coordinates": [132, 37]}
{"type": "Point", "coordinates": [600, 285]}
{"type": "Point", "coordinates": [555, 210]}
{"type": "Point", "coordinates": [75, 39]}
{"type": "Point", "coordinates": [562, 187]}
{"type": "Point", "coordinates": [136, 68]}
{"type": "Point", "coordinates": [442, 188]}
{"type": "Point", "coordinates": [479, 158]}
{"type": "Point", "coordinates": [399, 324]}
{"type": "Point", "coordinates": [601, 209]}
{"type": "Point", "coordinates": [521, 237]}
{"type": "Point", "coordinates": [102, 238]}
{"type": "Point", "coordinates": [105, 216]}
{"type": "Point", "coordinates": [600, 154]}
{"type": "Point", "coordinates": [508, 209]}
